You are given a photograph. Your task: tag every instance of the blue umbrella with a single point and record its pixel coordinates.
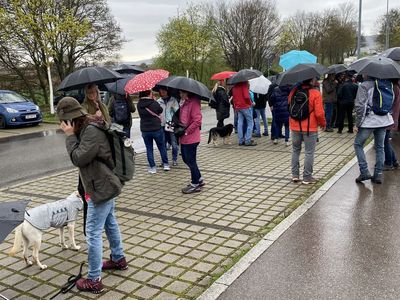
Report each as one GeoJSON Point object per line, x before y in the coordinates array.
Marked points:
{"type": "Point", "coordinates": [295, 57]}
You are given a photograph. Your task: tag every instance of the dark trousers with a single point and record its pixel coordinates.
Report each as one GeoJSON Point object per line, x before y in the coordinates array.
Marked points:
{"type": "Point", "coordinates": [189, 153]}
{"type": "Point", "coordinates": [220, 123]}
{"type": "Point", "coordinates": [345, 110]}
{"type": "Point", "coordinates": [390, 155]}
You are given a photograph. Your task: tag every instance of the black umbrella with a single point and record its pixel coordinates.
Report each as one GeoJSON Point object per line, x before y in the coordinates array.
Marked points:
{"type": "Point", "coordinates": [243, 75]}
{"type": "Point", "coordinates": [336, 69]}
{"type": "Point", "coordinates": [129, 69]}
{"type": "Point", "coordinates": [118, 87]}
{"type": "Point", "coordinates": [189, 85]}
{"type": "Point", "coordinates": [82, 77]}
{"type": "Point", "coordinates": [300, 73]}
{"type": "Point", "coordinates": [11, 215]}
{"type": "Point", "coordinates": [377, 67]}
{"type": "Point", "coordinates": [393, 53]}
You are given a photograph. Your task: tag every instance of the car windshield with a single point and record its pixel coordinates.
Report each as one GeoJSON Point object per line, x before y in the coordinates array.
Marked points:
{"type": "Point", "coordinates": [6, 97]}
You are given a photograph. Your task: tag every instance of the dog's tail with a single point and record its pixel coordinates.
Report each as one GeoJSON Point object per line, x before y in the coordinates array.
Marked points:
{"type": "Point", "coordinates": [209, 137]}
{"type": "Point", "coordinates": [17, 241]}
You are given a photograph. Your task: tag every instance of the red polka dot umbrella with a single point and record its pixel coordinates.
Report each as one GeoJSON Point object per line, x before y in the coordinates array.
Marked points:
{"type": "Point", "coordinates": [145, 81]}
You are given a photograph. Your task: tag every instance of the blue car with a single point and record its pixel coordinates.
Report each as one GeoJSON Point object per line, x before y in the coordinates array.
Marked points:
{"type": "Point", "coordinates": [16, 110]}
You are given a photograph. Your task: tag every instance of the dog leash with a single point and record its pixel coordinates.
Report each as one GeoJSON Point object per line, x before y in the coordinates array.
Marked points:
{"type": "Point", "coordinates": [71, 282]}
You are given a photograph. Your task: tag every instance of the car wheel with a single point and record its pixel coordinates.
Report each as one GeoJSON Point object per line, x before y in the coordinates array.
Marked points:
{"type": "Point", "coordinates": [2, 122]}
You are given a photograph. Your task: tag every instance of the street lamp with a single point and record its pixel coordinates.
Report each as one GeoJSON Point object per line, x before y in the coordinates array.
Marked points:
{"type": "Point", "coordinates": [387, 26]}
{"type": "Point", "coordinates": [359, 30]}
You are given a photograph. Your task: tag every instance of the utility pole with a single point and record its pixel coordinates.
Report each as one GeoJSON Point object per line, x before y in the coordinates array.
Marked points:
{"type": "Point", "coordinates": [387, 26]}
{"type": "Point", "coordinates": [359, 30]}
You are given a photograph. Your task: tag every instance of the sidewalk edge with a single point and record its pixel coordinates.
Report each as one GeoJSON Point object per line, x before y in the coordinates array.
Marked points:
{"type": "Point", "coordinates": [221, 284]}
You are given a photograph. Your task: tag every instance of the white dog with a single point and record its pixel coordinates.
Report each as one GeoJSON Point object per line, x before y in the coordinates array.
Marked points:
{"type": "Point", "coordinates": [57, 214]}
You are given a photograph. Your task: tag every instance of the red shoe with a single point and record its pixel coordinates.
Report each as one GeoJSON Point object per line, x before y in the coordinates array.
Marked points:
{"type": "Point", "coordinates": [120, 264]}
{"type": "Point", "coordinates": [89, 285]}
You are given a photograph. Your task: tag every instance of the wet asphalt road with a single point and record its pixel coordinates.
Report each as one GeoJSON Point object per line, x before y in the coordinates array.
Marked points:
{"type": "Point", "coordinates": [345, 247]}
{"type": "Point", "coordinates": [35, 155]}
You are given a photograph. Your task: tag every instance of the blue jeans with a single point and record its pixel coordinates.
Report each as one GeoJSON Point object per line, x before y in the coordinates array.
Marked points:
{"type": "Point", "coordinates": [278, 129]}
{"type": "Point", "coordinates": [235, 120]}
{"type": "Point", "coordinates": [379, 138]}
{"type": "Point", "coordinates": [245, 114]}
{"type": "Point", "coordinates": [261, 113]}
{"type": "Point", "coordinates": [101, 216]}
{"type": "Point", "coordinates": [310, 140]}
{"type": "Point", "coordinates": [158, 137]}
{"type": "Point", "coordinates": [390, 155]}
{"type": "Point", "coordinates": [328, 113]}
{"type": "Point", "coordinates": [171, 139]}
{"type": "Point", "coordinates": [189, 153]}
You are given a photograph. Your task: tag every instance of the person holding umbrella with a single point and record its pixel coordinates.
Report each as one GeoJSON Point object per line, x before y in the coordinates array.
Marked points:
{"type": "Point", "coordinates": [120, 109]}
{"type": "Point", "coordinates": [329, 85]}
{"type": "Point", "coordinates": [221, 103]}
{"type": "Point", "coordinates": [92, 103]}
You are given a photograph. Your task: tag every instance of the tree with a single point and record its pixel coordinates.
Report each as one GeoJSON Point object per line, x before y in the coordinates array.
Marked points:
{"type": "Point", "coordinates": [247, 31]}
{"type": "Point", "coordinates": [187, 43]}
{"type": "Point", "coordinates": [32, 32]}
{"type": "Point", "coordinates": [393, 21]}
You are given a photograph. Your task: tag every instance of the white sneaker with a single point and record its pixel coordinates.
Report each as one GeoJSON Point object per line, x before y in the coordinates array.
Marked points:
{"type": "Point", "coordinates": [166, 167]}
{"type": "Point", "coordinates": [275, 142]}
{"type": "Point", "coordinates": [287, 144]}
{"type": "Point", "coordinates": [152, 170]}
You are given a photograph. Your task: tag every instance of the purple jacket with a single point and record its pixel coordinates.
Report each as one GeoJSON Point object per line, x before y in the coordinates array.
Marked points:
{"type": "Point", "coordinates": [190, 115]}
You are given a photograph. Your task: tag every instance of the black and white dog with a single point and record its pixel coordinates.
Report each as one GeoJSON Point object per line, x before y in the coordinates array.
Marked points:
{"type": "Point", "coordinates": [224, 132]}
{"type": "Point", "coordinates": [57, 214]}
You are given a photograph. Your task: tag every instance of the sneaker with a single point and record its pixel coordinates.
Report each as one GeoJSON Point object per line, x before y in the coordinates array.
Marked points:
{"type": "Point", "coordinates": [174, 163]}
{"type": "Point", "coordinates": [363, 177]}
{"type": "Point", "coordinates": [388, 168]}
{"type": "Point", "coordinates": [396, 165]}
{"type": "Point", "coordinates": [329, 130]}
{"type": "Point", "coordinates": [377, 179]}
{"type": "Point", "coordinates": [287, 144]}
{"type": "Point", "coordinates": [265, 134]}
{"type": "Point", "coordinates": [191, 189]}
{"type": "Point", "coordinates": [350, 131]}
{"type": "Point", "coordinates": [251, 143]}
{"type": "Point", "coordinates": [310, 180]}
{"type": "Point", "coordinates": [166, 167]}
{"type": "Point", "coordinates": [120, 264]}
{"type": "Point", "coordinates": [256, 135]}
{"type": "Point", "coordinates": [152, 170]}
{"type": "Point", "coordinates": [296, 179]}
{"type": "Point", "coordinates": [275, 142]}
{"type": "Point", "coordinates": [89, 285]}
{"type": "Point", "coordinates": [201, 183]}
{"type": "Point", "coordinates": [241, 144]}
{"type": "Point", "coordinates": [340, 132]}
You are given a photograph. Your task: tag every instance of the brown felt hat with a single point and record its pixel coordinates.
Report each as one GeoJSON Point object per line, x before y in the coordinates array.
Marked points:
{"type": "Point", "coordinates": [69, 108]}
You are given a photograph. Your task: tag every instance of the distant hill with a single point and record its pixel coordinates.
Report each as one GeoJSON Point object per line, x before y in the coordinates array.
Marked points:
{"type": "Point", "coordinates": [138, 62]}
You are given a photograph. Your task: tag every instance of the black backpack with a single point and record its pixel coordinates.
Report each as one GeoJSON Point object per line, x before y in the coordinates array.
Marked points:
{"type": "Point", "coordinates": [121, 111]}
{"type": "Point", "coordinates": [299, 105]}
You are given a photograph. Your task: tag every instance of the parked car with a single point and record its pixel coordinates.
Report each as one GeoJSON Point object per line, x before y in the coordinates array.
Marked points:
{"type": "Point", "coordinates": [16, 110]}
{"type": "Point", "coordinates": [77, 94]}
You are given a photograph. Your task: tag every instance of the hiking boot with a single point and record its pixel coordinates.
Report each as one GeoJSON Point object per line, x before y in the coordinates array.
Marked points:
{"type": "Point", "coordinates": [350, 131]}
{"type": "Point", "coordinates": [120, 264]}
{"type": "Point", "coordinates": [363, 177]}
{"type": "Point", "coordinates": [89, 285]}
{"type": "Point", "coordinates": [310, 180]}
{"type": "Point", "coordinates": [387, 168]}
{"type": "Point", "coordinates": [152, 170]}
{"type": "Point", "coordinates": [265, 134]}
{"type": "Point", "coordinates": [174, 163]}
{"type": "Point", "coordinates": [166, 167]}
{"type": "Point", "coordinates": [340, 132]}
{"type": "Point", "coordinates": [251, 143]}
{"type": "Point", "coordinates": [256, 135]}
{"type": "Point", "coordinates": [377, 179]}
{"type": "Point", "coordinates": [191, 189]}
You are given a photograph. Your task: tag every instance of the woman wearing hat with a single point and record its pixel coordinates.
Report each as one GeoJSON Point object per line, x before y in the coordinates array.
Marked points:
{"type": "Point", "coordinates": [89, 150]}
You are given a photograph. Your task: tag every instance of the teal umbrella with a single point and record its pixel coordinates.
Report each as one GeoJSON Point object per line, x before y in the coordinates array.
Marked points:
{"type": "Point", "coordinates": [295, 57]}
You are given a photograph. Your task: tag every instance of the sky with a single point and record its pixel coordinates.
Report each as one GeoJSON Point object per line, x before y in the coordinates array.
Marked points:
{"type": "Point", "coordinates": [141, 20]}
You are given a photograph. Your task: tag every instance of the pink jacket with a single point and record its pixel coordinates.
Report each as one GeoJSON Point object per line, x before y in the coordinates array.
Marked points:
{"type": "Point", "coordinates": [190, 115]}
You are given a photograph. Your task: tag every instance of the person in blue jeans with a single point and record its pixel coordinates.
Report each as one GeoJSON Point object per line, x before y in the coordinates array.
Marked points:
{"type": "Point", "coordinates": [329, 86]}
{"type": "Point", "coordinates": [369, 123]}
{"type": "Point", "coordinates": [150, 125]}
{"type": "Point", "coordinates": [85, 133]}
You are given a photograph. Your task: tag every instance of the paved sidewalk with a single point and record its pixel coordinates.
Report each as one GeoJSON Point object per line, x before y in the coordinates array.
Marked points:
{"type": "Point", "coordinates": [345, 247]}
{"type": "Point", "coordinates": [176, 245]}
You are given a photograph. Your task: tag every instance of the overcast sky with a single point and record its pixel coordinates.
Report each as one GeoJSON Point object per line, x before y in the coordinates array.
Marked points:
{"type": "Point", "coordinates": [142, 19]}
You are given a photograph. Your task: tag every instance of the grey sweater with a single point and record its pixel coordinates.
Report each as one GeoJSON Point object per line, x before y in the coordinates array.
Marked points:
{"type": "Point", "coordinates": [56, 214]}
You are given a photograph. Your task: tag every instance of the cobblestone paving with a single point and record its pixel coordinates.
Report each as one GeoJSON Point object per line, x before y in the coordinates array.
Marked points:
{"type": "Point", "coordinates": [176, 244]}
